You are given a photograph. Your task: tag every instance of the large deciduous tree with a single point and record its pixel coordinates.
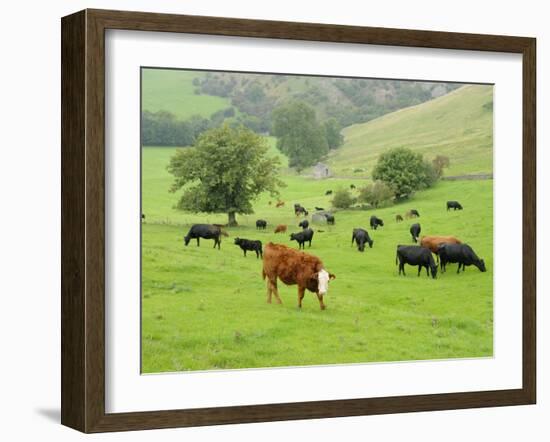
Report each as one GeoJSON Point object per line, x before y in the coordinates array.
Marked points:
{"type": "Point", "coordinates": [299, 136]}
{"type": "Point", "coordinates": [225, 171]}
{"type": "Point", "coordinates": [404, 170]}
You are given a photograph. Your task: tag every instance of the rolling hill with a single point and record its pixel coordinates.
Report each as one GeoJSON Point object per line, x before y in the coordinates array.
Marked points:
{"type": "Point", "coordinates": [173, 91]}
{"type": "Point", "coordinates": [458, 125]}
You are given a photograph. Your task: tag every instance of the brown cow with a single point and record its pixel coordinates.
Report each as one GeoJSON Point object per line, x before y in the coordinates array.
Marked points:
{"type": "Point", "coordinates": [280, 203]}
{"type": "Point", "coordinates": [398, 218]}
{"type": "Point", "coordinates": [294, 267]}
{"type": "Point", "coordinates": [433, 242]}
{"type": "Point", "coordinates": [281, 228]}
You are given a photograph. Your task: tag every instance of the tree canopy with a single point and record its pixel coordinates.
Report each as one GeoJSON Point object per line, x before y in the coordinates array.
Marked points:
{"type": "Point", "coordinates": [404, 170]}
{"type": "Point", "coordinates": [299, 136]}
{"type": "Point", "coordinates": [225, 171]}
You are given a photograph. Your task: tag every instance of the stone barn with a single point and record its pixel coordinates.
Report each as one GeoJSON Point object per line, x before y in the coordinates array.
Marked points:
{"type": "Point", "coordinates": [321, 171]}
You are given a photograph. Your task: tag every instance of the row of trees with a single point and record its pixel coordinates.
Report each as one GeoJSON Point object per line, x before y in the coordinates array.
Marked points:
{"type": "Point", "coordinates": [228, 168]}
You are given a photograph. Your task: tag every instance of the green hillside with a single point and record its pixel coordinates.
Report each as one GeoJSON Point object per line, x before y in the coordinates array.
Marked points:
{"type": "Point", "coordinates": [173, 91]}
{"type": "Point", "coordinates": [459, 125]}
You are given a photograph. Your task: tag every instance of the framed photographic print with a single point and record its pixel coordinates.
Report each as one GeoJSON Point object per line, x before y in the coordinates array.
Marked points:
{"type": "Point", "coordinates": [268, 221]}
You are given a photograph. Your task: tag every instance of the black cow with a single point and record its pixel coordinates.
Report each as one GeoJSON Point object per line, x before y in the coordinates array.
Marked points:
{"type": "Point", "coordinates": [249, 244]}
{"type": "Point", "coordinates": [302, 237]}
{"type": "Point", "coordinates": [299, 210]}
{"type": "Point", "coordinates": [319, 209]}
{"type": "Point", "coordinates": [453, 205]}
{"type": "Point", "coordinates": [304, 224]}
{"type": "Point", "coordinates": [460, 253]}
{"type": "Point", "coordinates": [416, 256]}
{"type": "Point", "coordinates": [415, 231]}
{"type": "Point", "coordinates": [206, 231]}
{"type": "Point", "coordinates": [330, 218]}
{"type": "Point", "coordinates": [361, 236]}
{"type": "Point", "coordinates": [328, 192]}
{"type": "Point", "coordinates": [414, 213]}
{"type": "Point", "coordinates": [261, 224]}
{"type": "Point", "coordinates": [375, 222]}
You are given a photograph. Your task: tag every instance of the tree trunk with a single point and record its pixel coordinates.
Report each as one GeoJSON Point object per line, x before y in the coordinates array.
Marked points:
{"type": "Point", "coordinates": [231, 220]}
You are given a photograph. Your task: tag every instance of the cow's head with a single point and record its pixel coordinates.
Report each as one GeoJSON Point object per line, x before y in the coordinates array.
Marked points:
{"type": "Point", "coordinates": [186, 239]}
{"type": "Point", "coordinates": [380, 223]}
{"type": "Point", "coordinates": [292, 236]}
{"type": "Point", "coordinates": [481, 265]}
{"type": "Point", "coordinates": [371, 242]}
{"type": "Point", "coordinates": [238, 241]}
{"type": "Point", "coordinates": [323, 277]}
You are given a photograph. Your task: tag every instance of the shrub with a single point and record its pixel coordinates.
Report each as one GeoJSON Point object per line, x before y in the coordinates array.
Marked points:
{"type": "Point", "coordinates": [376, 194]}
{"type": "Point", "coordinates": [342, 199]}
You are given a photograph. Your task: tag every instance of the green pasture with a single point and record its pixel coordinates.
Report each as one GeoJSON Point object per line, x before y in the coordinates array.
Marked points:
{"type": "Point", "coordinates": [458, 125]}
{"type": "Point", "coordinates": [206, 309]}
{"type": "Point", "coordinates": [172, 90]}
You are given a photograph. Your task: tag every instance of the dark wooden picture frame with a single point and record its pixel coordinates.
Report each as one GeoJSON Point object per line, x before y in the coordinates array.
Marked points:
{"type": "Point", "coordinates": [83, 220]}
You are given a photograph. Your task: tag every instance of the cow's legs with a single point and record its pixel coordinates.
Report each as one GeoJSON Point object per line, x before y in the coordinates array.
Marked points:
{"type": "Point", "coordinates": [198, 244]}
{"type": "Point", "coordinates": [244, 251]}
{"type": "Point", "coordinates": [276, 292]}
{"type": "Point", "coordinates": [301, 292]}
{"type": "Point", "coordinates": [310, 243]}
{"type": "Point", "coordinates": [427, 271]}
{"type": "Point", "coordinates": [419, 270]}
{"type": "Point", "coordinates": [269, 290]}
{"type": "Point", "coordinates": [321, 304]}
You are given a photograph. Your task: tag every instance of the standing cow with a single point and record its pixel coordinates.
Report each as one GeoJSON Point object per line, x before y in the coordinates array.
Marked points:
{"type": "Point", "coordinates": [375, 222]}
{"type": "Point", "coordinates": [330, 219]}
{"type": "Point", "coordinates": [302, 237]}
{"type": "Point", "coordinates": [454, 205]}
{"type": "Point", "coordinates": [416, 256]}
{"type": "Point", "coordinates": [463, 254]}
{"type": "Point", "coordinates": [361, 236]}
{"type": "Point", "coordinates": [415, 231]}
{"type": "Point", "coordinates": [249, 244]}
{"type": "Point", "coordinates": [294, 267]}
{"type": "Point", "coordinates": [206, 231]}
{"type": "Point", "coordinates": [261, 224]}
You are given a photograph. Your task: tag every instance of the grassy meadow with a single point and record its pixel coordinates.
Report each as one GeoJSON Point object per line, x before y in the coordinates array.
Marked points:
{"type": "Point", "coordinates": [458, 124]}
{"type": "Point", "coordinates": [173, 91]}
{"type": "Point", "coordinates": [206, 309]}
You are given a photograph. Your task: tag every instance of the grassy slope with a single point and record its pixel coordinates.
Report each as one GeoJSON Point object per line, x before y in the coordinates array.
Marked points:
{"type": "Point", "coordinates": [173, 91]}
{"type": "Point", "coordinates": [206, 309]}
{"type": "Point", "coordinates": [455, 125]}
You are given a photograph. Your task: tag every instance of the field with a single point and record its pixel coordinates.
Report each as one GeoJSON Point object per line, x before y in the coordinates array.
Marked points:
{"type": "Point", "coordinates": [458, 125]}
{"type": "Point", "coordinates": [206, 309]}
{"type": "Point", "coordinates": [173, 91]}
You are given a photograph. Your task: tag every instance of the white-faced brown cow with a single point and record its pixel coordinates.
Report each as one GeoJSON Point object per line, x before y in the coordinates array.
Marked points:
{"type": "Point", "coordinates": [294, 267]}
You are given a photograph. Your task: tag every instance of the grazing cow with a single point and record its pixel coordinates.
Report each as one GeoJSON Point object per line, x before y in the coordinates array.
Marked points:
{"type": "Point", "coordinates": [433, 242]}
{"type": "Point", "coordinates": [413, 213]}
{"type": "Point", "coordinates": [261, 224]}
{"type": "Point", "coordinates": [330, 219]}
{"type": "Point", "coordinates": [294, 267]}
{"type": "Point", "coordinates": [352, 186]}
{"type": "Point", "coordinates": [460, 253]}
{"type": "Point", "coordinates": [328, 192]}
{"type": "Point", "coordinates": [361, 236]}
{"type": "Point", "coordinates": [453, 205]}
{"type": "Point", "coordinates": [319, 209]}
{"type": "Point", "coordinates": [206, 231]}
{"type": "Point", "coordinates": [398, 218]}
{"type": "Point", "coordinates": [280, 204]}
{"type": "Point", "coordinates": [281, 228]}
{"type": "Point", "coordinates": [302, 237]}
{"type": "Point", "coordinates": [299, 210]}
{"type": "Point", "coordinates": [248, 244]}
{"type": "Point", "coordinates": [415, 231]}
{"type": "Point", "coordinates": [416, 256]}
{"type": "Point", "coordinates": [304, 224]}
{"type": "Point", "coordinates": [375, 222]}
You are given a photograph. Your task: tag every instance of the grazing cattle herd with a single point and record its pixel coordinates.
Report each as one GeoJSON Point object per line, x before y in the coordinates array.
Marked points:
{"type": "Point", "coordinates": [307, 271]}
